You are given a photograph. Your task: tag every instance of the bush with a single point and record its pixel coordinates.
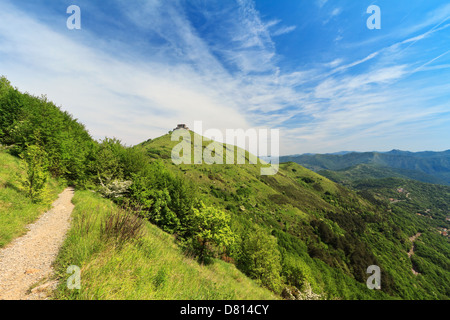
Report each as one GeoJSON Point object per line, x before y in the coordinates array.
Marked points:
{"type": "Point", "coordinates": [115, 189]}
{"type": "Point", "coordinates": [122, 226]}
{"type": "Point", "coordinates": [210, 233]}
{"type": "Point", "coordinates": [36, 166]}
{"type": "Point", "coordinates": [260, 258]}
{"type": "Point", "coordinates": [28, 120]}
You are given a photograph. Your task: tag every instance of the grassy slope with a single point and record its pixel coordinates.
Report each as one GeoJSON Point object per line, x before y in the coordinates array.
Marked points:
{"type": "Point", "coordinates": [286, 204]}
{"type": "Point", "coordinates": [283, 202]}
{"type": "Point", "coordinates": [151, 268]}
{"type": "Point", "coordinates": [16, 210]}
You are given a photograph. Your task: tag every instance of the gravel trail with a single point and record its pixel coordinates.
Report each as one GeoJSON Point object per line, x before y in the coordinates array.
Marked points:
{"type": "Point", "coordinates": [28, 260]}
{"type": "Point", "coordinates": [411, 252]}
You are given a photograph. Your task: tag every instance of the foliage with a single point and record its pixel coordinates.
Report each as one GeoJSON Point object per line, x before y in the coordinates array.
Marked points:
{"type": "Point", "coordinates": [26, 120]}
{"type": "Point", "coordinates": [108, 161]}
{"type": "Point", "coordinates": [16, 209]}
{"type": "Point", "coordinates": [151, 267]}
{"type": "Point", "coordinates": [37, 176]}
{"type": "Point", "coordinates": [260, 258]}
{"type": "Point", "coordinates": [209, 232]}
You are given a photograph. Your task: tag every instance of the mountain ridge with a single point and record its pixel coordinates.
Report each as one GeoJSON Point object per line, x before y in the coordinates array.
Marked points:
{"type": "Point", "coordinates": [433, 165]}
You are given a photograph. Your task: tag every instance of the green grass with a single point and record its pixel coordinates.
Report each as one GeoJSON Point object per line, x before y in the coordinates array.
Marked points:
{"type": "Point", "coordinates": [16, 210]}
{"type": "Point", "coordinates": [152, 267]}
{"type": "Point", "coordinates": [355, 231]}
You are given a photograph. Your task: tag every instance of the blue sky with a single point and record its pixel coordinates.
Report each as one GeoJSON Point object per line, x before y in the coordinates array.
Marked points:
{"type": "Point", "coordinates": [310, 68]}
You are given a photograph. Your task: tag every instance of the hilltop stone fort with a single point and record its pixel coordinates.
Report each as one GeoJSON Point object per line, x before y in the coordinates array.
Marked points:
{"type": "Point", "coordinates": [181, 126]}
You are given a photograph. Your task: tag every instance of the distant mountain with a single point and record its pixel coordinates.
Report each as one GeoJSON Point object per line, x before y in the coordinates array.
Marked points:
{"type": "Point", "coordinates": [373, 171]}
{"type": "Point", "coordinates": [342, 152]}
{"type": "Point", "coordinates": [427, 166]}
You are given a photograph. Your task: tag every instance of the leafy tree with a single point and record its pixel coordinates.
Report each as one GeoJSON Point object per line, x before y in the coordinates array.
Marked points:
{"type": "Point", "coordinates": [37, 175]}
{"type": "Point", "coordinates": [260, 258]}
{"type": "Point", "coordinates": [161, 214]}
{"type": "Point", "coordinates": [163, 197]}
{"type": "Point", "coordinates": [108, 163]}
{"type": "Point", "coordinates": [11, 107]}
{"type": "Point", "coordinates": [210, 232]}
{"type": "Point", "coordinates": [134, 160]}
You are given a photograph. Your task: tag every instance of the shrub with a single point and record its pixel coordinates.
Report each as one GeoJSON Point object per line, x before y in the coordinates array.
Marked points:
{"type": "Point", "coordinates": [210, 232]}
{"type": "Point", "coordinates": [122, 226]}
{"type": "Point", "coordinates": [35, 181]}
{"type": "Point", "coordinates": [260, 258]}
{"type": "Point", "coordinates": [115, 189]}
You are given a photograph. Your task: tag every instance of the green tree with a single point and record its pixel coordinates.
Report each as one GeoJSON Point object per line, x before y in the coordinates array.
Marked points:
{"type": "Point", "coordinates": [210, 232]}
{"type": "Point", "coordinates": [260, 258]}
{"type": "Point", "coordinates": [35, 182]}
{"type": "Point", "coordinates": [108, 163]}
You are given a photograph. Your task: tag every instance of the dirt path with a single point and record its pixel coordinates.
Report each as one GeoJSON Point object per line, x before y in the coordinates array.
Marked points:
{"type": "Point", "coordinates": [28, 259]}
{"type": "Point", "coordinates": [411, 252]}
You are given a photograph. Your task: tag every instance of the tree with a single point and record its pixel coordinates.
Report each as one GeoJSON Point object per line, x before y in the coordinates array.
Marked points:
{"type": "Point", "coordinates": [35, 182]}
{"type": "Point", "coordinates": [260, 258]}
{"type": "Point", "coordinates": [210, 232]}
{"type": "Point", "coordinates": [11, 108]}
{"type": "Point", "coordinates": [108, 164]}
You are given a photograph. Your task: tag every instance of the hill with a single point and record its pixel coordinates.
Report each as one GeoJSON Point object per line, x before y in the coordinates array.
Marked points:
{"type": "Point", "coordinates": [426, 200]}
{"type": "Point", "coordinates": [318, 224]}
{"type": "Point", "coordinates": [432, 167]}
{"type": "Point", "coordinates": [374, 171]}
{"type": "Point", "coordinates": [151, 267]}
{"type": "Point", "coordinates": [296, 233]}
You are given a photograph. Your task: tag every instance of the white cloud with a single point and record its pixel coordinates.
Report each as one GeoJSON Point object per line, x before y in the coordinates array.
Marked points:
{"type": "Point", "coordinates": [358, 62]}
{"type": "Point", "coordinates": [425, 35]}
{"type": "Point", "coordinates": [283, 30]}
{"type": "Point", "coordinates": [132, 99]}
{"type": "Point", "coordinates": [336, 12]}
{"type": "Point", "coordinates": [325, 105]}
{"type": "Point", "coordinates": [434, 18]}
{"type": "Point", "coordinates": [430, 62]}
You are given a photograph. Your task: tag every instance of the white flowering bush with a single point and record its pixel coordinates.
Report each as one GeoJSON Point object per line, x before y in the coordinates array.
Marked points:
{"type": "Point", "coordinates": [115, 189]}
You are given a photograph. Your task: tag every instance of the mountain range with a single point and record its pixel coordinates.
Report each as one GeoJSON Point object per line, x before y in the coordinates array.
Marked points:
{"type": "Point", "coordinates": [426, 166]}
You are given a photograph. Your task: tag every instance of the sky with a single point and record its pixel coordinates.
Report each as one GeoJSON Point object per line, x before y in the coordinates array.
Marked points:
{"type": "Point", "coordinates": [310, 68]}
